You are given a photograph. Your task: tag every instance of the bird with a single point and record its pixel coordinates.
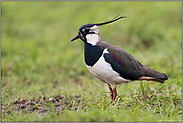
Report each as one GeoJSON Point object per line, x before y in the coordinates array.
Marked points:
{"type": "Point", "coordinates": [111, 64]}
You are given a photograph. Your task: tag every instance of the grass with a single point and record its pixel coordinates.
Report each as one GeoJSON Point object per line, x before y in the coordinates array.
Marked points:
{"type": "Point", "coordinates": [43, 76]}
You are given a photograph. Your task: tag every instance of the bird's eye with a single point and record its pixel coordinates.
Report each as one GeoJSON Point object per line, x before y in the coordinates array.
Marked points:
{"type": "Point", "coordinates": [87, 30]}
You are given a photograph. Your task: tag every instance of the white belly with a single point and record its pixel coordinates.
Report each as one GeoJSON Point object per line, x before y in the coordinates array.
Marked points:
{"type": "Point", "coordinates": [104, 72]}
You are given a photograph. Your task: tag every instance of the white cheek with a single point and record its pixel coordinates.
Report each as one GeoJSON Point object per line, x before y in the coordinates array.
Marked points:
{"type": "Point", "coordinates": [96, 28]}
{"type": "Point", "coordinates": [92, 38]}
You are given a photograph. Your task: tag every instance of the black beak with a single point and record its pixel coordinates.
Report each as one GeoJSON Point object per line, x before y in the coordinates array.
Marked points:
{"type": "Point", "coordinates": [77, 36]}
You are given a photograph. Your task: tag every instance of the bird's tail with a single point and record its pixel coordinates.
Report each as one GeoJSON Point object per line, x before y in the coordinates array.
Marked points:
{"type": "Point", "coordinates": [153, 75]}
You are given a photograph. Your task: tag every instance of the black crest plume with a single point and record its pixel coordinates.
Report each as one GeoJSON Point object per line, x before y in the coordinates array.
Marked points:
{"type": "Point", "coordinates": [114, 19]}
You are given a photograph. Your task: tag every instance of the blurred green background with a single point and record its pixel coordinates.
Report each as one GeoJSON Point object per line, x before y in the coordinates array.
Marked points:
{"type": "Point", "coordinates": [37, 56]}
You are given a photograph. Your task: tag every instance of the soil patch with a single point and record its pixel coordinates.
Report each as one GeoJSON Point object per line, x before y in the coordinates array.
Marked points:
{"type": "Point", "coordinates": [58, 104]}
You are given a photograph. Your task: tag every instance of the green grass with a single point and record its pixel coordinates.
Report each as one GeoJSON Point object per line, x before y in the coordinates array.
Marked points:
{"type": "Point", "coordinates": [42, 69]}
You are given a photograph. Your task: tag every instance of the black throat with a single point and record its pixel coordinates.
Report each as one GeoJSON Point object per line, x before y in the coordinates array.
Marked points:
{"type": "Point", "coordinates": [92, 53]}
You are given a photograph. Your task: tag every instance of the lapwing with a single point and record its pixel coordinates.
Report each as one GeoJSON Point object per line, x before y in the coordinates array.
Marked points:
{"type": "Point", "coordinates": [111, 64]}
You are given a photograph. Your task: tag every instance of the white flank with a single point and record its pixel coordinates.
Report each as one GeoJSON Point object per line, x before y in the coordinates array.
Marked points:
{"type": "Point", "coordinates": [104, 72]}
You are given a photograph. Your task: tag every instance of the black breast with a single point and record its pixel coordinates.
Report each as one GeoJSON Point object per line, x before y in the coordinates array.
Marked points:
{"type": "Point", "coordinates": [92, 53]}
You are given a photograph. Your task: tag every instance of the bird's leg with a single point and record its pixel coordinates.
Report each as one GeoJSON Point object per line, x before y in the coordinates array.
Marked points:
{"type": "Point", "coordinates": [111, 92]}
{"type": "Point", "coordinates": [114, 94]}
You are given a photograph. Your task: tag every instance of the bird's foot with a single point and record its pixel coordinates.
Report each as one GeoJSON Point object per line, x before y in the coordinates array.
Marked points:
{"type": "Point", "coordinates": [112, 103]}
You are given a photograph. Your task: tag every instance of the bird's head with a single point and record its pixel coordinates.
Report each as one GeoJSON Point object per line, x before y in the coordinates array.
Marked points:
{"type": "Point", "coordinates": [90, 32]}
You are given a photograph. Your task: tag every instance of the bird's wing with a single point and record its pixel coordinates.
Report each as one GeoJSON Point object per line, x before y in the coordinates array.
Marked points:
{"type": "Point", "coordinates": [129, 67]}
{"type": "Point", "coordinates": [123, 63]}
